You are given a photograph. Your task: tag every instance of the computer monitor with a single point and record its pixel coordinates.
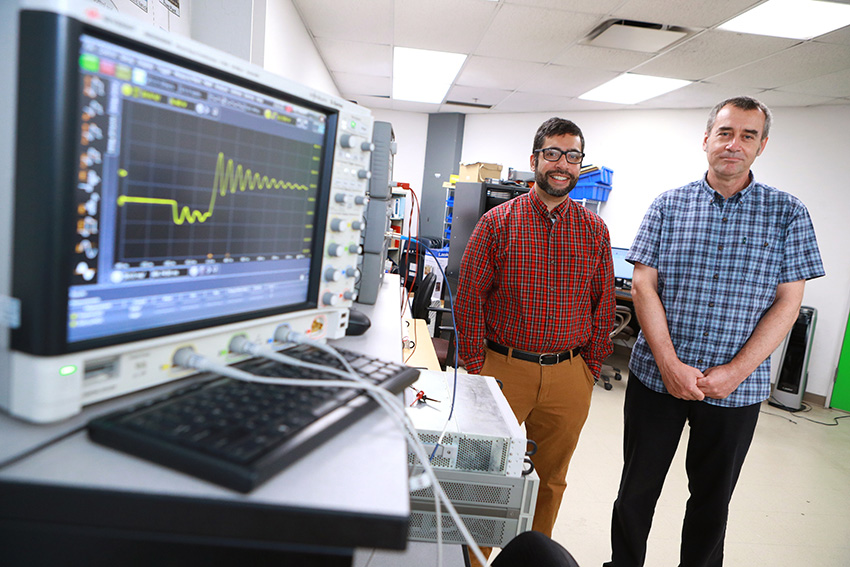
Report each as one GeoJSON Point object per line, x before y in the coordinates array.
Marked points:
{"type": "Point", "coordinates": [622, 269]}
{"type": "Point", "coordinates": [168, 193]}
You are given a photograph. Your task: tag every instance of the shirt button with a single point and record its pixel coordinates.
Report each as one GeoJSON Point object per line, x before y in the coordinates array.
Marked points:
{"type": "Point", "coordinates": [720, 247]}
{"type": "Point", "coordinates": [725, 219]}
{"type": "Point", "coordinates": [705, 334]}
{"type": "Point", "coordinates": [699, 361]}
{"type": "Point", "coordinates": [711, 304]}
{"type": "Point", "coordinates": [716, 276]}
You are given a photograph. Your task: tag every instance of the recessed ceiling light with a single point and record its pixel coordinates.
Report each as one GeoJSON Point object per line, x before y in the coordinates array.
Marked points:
{"type": "Point", "coordinates": [796, 19]}
{"type": "Point", "coordinates": [421, 75]}
{"type": "Point", "coordinates": [630, 88]}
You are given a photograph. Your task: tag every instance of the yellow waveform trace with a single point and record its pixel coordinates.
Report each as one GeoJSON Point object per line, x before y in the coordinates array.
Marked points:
{"type": "Point", "coordinates": [229, 178]}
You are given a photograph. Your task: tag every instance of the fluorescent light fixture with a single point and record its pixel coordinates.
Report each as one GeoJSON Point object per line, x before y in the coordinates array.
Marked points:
{"type": "Point", "coordinates": [421, 75]}
{"type": "Point", "coordinates": [630, 88]}
{"type": "Point", "coordinates": [796, 19]}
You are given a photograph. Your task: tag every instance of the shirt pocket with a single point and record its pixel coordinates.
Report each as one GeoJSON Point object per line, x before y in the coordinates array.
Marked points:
{"type": "Point", "coordinates": [758, 257]}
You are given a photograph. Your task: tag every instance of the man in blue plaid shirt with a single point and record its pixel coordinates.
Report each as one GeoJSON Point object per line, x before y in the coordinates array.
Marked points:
{"type": "Point", "coordinates": [720, 267]}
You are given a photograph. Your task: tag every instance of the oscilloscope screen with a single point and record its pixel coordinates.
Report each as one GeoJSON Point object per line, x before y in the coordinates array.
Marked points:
{"type": "Point", "coordinates": [197, 197]}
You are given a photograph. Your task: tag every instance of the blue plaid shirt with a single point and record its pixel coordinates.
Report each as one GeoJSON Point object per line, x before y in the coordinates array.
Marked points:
{"type": "Point", "coordinates": [719, 262]}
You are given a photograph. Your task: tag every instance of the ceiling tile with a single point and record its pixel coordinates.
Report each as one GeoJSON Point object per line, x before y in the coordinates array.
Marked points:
{"type": "Point", "coordinates": [533, 34]}
{"type": "Point", "coordinates": [443, 25]}
{"type": "Point", "coordinates": [831, 85]}
{"type": "Point", "coordinates": [586, 6]}
{"type": "Point", "coordinates": [351, 20]}
{"type": "Point", "coordinates": [799, 63]}
{"type": "Point", "coordinates": [688, 13]}
{"type": "Point", "coordinates": [351, 84]}
{"type": "Point", "coordinates": [697, 95]}
{"type": "Point", "coordinates": [840, 36]}
{"type": "Point", "coordinates": [477, 95]}
{"type": "Point", "coordinates": [356, 57]}
{"type": "Point", "coordinates": [712, 52]}
{"type": "Point", "coordinates": [603, 58]}
{"type": "Point", "coordinates": [779, 98]}
{"type": "Point", "coordinates": [565, 81]}
{"type": "Point", "coordinates": [495, 73]}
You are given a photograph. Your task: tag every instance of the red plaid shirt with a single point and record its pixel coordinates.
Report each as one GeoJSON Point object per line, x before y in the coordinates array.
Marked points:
{"type": "Point", "coordinates": [537, 281]}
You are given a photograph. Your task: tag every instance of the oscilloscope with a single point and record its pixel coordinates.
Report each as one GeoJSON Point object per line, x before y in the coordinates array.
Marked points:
{"type": "Point", "coordinates": [162, 194]}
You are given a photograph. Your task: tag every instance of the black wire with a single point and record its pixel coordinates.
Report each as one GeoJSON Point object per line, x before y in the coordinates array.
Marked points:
{"type": "Point", "coordinates": [11, 461]}
{"type": "Point", "coordinates": [806, 408]}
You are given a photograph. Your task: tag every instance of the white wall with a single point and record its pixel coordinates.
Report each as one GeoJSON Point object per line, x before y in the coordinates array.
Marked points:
{"type": "Point", "coordinates": [289, 50]}
{"type": "Point", "coordinates": [651, 151]}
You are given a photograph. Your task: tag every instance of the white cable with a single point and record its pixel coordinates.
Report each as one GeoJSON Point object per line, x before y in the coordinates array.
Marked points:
{"type": "Point", "coordinates": [188, 358]}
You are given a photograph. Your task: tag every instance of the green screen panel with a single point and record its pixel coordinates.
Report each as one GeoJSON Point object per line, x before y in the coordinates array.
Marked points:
{"type": "Point", "coordinates": [841, 391]}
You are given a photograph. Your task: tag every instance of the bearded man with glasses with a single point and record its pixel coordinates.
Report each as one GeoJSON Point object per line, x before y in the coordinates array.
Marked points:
{"type": "Point", "coordinates": [536, 303]}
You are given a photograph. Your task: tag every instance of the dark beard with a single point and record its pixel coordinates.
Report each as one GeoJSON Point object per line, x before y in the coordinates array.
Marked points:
{"type": "Point", "coordinates": [541, 181]}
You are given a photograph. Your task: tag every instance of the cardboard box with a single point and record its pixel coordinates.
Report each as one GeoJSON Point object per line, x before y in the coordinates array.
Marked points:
{"type": "Point", "coordinates": [479, 171]}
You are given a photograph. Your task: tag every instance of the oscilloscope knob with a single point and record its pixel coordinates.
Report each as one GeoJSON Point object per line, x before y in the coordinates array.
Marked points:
{"type": "Point", "coordinates": [337, 225]}
{"type": "Point", "coordinates": [330, 299]}
{"type": "Point", "coordinates": [335, 249]}
{"type": "Point", "coordinates": [352, 272]}
{"type": "Point", "coordinates": [364, 174]}
{"type": "Point", "coordinates": [333, 275]}
{"type": "Point", "coordinates": [354, 249]}
{"type": "Point", "coordinates": [367, 147]}
{"type": "Point", "coordinates": [358, 224]}
{"type": "Point", "coordinates": [361, 200]}
{"type": "Point", "coordinates": [351, 295]}
{"type": "Point", "coordinates": [349, 140]}
{"type": "Point", "coordinates": [343, 198]}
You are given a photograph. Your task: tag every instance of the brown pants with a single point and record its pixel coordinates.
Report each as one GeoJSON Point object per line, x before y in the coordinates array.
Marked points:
{"type": "Point", "coordinates": [553, 402]}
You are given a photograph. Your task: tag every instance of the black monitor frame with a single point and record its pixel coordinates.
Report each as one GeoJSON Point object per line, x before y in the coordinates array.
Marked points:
{"type": "Point", "coordinates": [46, 165]}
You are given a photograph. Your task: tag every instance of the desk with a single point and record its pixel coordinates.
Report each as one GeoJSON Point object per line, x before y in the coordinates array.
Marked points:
{"type": "Point", "coordinates": [75, 502]}
{"type": "Point", "coordinates": [423, 355]}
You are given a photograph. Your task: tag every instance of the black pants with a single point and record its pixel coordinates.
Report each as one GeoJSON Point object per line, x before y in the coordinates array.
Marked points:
{"type": "Point", "coordinates": [719, 440]}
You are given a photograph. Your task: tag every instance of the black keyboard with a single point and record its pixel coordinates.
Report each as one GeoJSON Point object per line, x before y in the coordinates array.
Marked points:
{"type": "Point", "coordinates": [239, 434]}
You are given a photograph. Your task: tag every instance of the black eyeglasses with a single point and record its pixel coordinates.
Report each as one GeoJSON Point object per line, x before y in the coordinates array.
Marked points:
{"type": "Point", "coordinates": [554, 154]}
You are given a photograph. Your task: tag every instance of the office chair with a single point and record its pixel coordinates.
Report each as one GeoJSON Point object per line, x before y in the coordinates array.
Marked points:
{"type": "Point", "coordinates": [621, 330]}
{"type": "Point", "coordinates": [422, 309]}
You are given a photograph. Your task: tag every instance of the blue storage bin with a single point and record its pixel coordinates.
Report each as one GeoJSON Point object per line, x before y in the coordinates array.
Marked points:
{"type": "Point", "coordinates": [591, 192]}
{"type": "Point", "coordinates": [602, 175]}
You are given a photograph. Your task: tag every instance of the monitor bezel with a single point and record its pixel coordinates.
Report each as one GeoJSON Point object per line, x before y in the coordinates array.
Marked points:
{"type": "Point", "coordinates": [49, 50]}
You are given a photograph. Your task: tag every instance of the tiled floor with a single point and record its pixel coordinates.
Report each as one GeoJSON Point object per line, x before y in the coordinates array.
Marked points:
{"type": "Point", "coordinates": [791, 506]}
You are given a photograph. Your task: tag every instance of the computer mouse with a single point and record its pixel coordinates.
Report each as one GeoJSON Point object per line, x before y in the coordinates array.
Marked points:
{"type": "Point", "coordinates": [358, 322]}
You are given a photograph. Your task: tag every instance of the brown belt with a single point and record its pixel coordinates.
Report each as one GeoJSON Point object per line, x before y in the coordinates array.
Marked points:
{"type": "Point", "coordinates": [543, 359]}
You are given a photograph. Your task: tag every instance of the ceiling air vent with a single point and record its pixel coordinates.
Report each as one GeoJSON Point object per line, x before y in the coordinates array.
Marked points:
{"type": "Point", "coordinates": [635, 36]}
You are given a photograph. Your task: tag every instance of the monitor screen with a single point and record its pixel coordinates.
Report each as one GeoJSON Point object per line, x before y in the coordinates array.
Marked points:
{"type": "Point", "coordinates": [196, 198]}
{"type": "Point", "coordinates": [622, 269]}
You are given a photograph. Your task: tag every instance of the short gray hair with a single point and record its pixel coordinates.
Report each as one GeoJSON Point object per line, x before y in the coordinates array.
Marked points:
{"type": "Point", "coordinates": [744, 103]}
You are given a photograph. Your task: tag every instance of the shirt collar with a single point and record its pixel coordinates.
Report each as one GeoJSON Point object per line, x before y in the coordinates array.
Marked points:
{"type": "Point", "coordinates": [737, 197]}
{"type": "Point", "coordinates": [558, 212]}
